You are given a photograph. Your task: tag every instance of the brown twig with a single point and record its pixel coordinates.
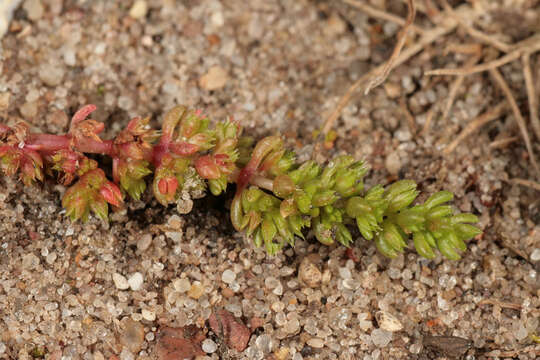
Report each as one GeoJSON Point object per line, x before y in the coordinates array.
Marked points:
{"type": "Point", "coordinates": [513, 353]}
{"type": "Point", "coordinates": [410, 118]}
{"type": "Point", "coordinates": [478, 68]}
{"type": "Point", "coordinates": [525, 48]}
{"type": "Point", "coordinates": [502, 143]}
{"type": "Point", "coordinates": [474, 125]}
{"type": "Point", "coordinates": [528, 183]}
{"type": "Point", "coordinates": [456, 85]}
{"type": "Point", "coordinates": [382, 15]}
{"type": "Point", "coordinates": [429, 118]}
{"type": "Point", "coordinates": [477, 34]}
{"type": "Point", "coordinates": [517, 115]}
{"type": "Point", "coordinates": [429, 37]}
{"type": "Point", "coordinates": [379, 78]}
{"type": "Point", "coordinates": [531, 94]}
{"type": "Point", "coordinates": [502, 304]}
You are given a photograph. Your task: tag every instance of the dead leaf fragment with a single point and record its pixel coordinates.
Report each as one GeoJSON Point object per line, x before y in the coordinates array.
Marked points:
{"type": "Point", "coordinates": [231, 330]}
{"type": "Point", "coordinates": [179, 343]}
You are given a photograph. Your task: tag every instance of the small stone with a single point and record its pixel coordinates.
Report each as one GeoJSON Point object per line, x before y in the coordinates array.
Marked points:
{"type": "Point", "coordinates": [29, 110]}
{"type": "Point", "coordinates": [388, 321]}
{"type": "Point", "coordinates": [34, 9]}
{"type": "Point", "coordinates": [196, 290]}
{"type": "Point", "coordinates": [535, 255]}
{"type": "Point", "coordinates": [4, 100]}
{"type": "Point", "coordinates": [393, 90]}
{"type": "Point", "coordinates": [120, 281]}
{"type": "Point", "coordinates": [228, 276]}
{"type": "Point", "coordinates": [393, 163]}
{"type": "Point", "coordinates": [30, 261]}
{"type": "Point", "coordinates": [126, 355]}
{"type": "Point", "coordinates": [139, 9]}
{"type": "Point", "coordinates": [214, 79]}
{"type": "Point", "coordinates": [148, 315]}
{"type": "Point", "coordinates": [381, 337]}
{"type": "Point", "coordinates": [316, 343]}
{"type": "Point", "coordinates": [135, 281]}
{"type": "Point", "coordinates": [181, 285]}
{"type": "Point", "coordinates": [232, 330]}
{"type": "Point", "coordinates": [334, 26]}
{"type": "Point", "coordinates": [292, 326]}
{"type": "Point", "coordinates": [209, 346]}
{"type": "Point", "coordinates": [51, 74]}
{"type": "Point", "coordinates": [144, 242]}
{"type": "Point", "coordinates": [282, 353]}
{"type": "Point", "coordinates": [309, 274]}
{"type": "Point", "coordinates": [132, 335]}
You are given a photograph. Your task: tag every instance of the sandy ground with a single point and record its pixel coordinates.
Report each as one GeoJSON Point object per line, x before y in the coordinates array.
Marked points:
{"type": "Point", "coordinates": [105, 291]}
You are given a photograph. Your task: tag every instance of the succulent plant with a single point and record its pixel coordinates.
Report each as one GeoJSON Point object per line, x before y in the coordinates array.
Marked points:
{"type": "Point", "coordinates": [276, 198]}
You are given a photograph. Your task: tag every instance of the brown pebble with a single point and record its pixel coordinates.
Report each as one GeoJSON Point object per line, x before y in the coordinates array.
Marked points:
{"type": "Point", "coordinates": [309, 273]}
{"type": "Point", "coordinates": [132, 335]}
{"type": "Point", "coordinates": [235, 334]}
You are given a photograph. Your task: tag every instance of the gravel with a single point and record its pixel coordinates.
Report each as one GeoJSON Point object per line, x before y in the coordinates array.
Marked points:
{"type": "Point", "coordinates": [100, 291]}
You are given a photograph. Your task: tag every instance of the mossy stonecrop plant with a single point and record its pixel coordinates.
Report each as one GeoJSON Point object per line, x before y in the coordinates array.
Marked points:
{"type": "Point", "coordinates": [276, 198]}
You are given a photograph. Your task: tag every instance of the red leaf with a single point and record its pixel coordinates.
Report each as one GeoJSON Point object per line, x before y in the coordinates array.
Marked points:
{"type": "Point", "coordinates": [207, 168]}
{"type": "Point", "coordinates": [233, 331]}
{"type": "Point", "coordinates": [179, 343]}
{"type": "Point", "coordinates": [111, 193]}
{"type": "Point", "coordinates": [82, 113]}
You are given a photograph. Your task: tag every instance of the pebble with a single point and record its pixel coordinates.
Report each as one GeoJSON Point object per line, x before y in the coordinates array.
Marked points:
{"type": "Point", "coordinates": [334, 26]}
{"type": "Point", "coordinates": [388, 321]}
{"type": "Point", "coordinates": [196, 290]}
{"type": "Point", "coordinates": [228, 276]}
{"type": "Point", "coordinates": [135, 281]}
{"type": "Point", "coordinates": [535, 255]}
{"type": "Point", "coordinates": [120, 281]}
{"type": "Point", "coordinates": [393, 163]}
{"type": "Point", "coordinates": [214, 79]}
{"type": "Point", "coordinates": [29, 110]}
{"type": "Point", "coordinates": [209, 346]}
{"type": "Point", "coordinates": [148, 315]}
{"type": "Point", "coordinates": [181, 285]}
{"type": "Point", "coordinates": [4, 100]}
{"type": "Point", "coordinates": [144, 242]}
{"type": "Point", "coordinates": [309, 273]}
{"type": "Point", "coordinates": [34, 9]}
{"type": "Point", "coordinates": [381, 337]}
{"type": "Point", "coordinates": [282, 353]}
{"type": "Point", "coordinates": [139, 9]}
{"type": "Point", "coordinates": [51, 75]}
{"type": "Point", "coordinates": [316, 343]}
{"type": "Point", "coordinates": [132, 336]}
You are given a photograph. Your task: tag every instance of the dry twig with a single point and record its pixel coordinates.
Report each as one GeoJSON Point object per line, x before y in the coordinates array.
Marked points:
{"type": "Point", "coordinates": [379, 78]}
{"type": "Point", "coordinates": [517, 115]}
{"type": "Point", "coordinates": [429, 37]}
{"type": "Point", "coordinates": [528, 46]}
{"type": "Point", "coordinates": [533, 349]}
{"type": "Point", "coordinates": [477, 34]}
{"type": "Point", "coordinates": [502, 304]}
{"type": "Point", "coordinates": [474, 125]}
{"type": "Point", "coordinates": [531, 94]}
{"type": "Point", "coordinates": [455, 87]}
{"type": "Point", "coordinates": [502, 143]}
{"type": "Point", "coordinates": [382, 15]}
{"type": "Point", "coordinates": [528, 183]}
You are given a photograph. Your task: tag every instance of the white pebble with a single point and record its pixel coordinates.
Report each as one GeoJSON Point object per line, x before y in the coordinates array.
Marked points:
{"type": "Point", "coordinates": [228, 276]}
{"type": "Point", "coordinates": [388, 321]}
{"type": "Point", "coordinates": [535, 255]}
{"type": "Point", "coordinates": [139, 9]}
{"type": "Point", "coordinates": [135, 281]}
{"type": "Point", "coordinates": [120, 281]}
{"type": "Point", "coordinates": [148, 315]}
{"type": "Point", "coordinates": [209, 346]}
